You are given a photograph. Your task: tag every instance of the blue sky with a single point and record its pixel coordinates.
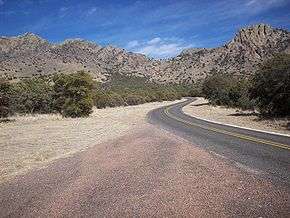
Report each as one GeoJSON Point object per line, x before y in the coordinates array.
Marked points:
{"type": "Point", "coordinates": [158, 28]}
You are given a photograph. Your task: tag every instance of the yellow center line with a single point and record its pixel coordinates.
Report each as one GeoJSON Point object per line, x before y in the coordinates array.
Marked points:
{"type": "Point", "coordinates": [237, 135]}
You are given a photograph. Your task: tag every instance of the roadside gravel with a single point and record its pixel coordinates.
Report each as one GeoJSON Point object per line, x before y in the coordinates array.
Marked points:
{"type": "Point", "coordinates": [201, 109]}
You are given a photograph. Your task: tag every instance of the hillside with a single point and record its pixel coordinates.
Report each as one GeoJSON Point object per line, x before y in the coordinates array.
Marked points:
{"type": "Point", "coordinates": [242, 55]}
{"type": "Point", "coordinates": [29, 55]}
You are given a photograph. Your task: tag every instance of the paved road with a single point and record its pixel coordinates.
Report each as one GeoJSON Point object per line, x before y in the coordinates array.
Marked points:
{"type": "Point", "coordinates": [261, 153]}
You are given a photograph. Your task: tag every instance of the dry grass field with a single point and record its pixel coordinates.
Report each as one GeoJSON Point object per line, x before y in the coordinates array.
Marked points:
{"type": "Point", "coordinates": [32, 141]}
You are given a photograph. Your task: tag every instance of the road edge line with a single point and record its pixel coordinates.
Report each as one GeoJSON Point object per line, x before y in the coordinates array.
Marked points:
{"type": "Point", "coordinates": [235, 126]}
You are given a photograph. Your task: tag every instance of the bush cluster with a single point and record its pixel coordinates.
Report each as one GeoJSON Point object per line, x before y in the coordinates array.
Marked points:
{"type": "Point", "coordinates": [226, 90]}
{"type": "Point", "coordinates": [268, 90]}
{"type": "Point", "coordinates": [5, 109]}
{"type": "Point", "coordinates": [74, 95]}
{"type": "Point", "coordinates": [271, 86]}
{"type": "Point", "coordinates": [130, 90]}
{"type": "Point", "coordinates": [70, 95]}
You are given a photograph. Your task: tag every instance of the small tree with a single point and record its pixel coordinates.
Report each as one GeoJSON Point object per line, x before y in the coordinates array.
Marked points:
{"type": "Point", "coordinates": [31, 96]}
{"type": "Point", "coordinates": [73, 94]}
{"type": "Point", "coordinates": [227, 90]}
{"type": "Point", "coordinates": [271, 86]}
{"type": "Point", "coordinates": [5, 109]}
{"type": "Point", "coordinates": [216, 87]}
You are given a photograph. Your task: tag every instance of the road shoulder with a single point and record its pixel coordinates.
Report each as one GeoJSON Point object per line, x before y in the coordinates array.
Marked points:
{"type": "Point", "coordinates": [232, 117]}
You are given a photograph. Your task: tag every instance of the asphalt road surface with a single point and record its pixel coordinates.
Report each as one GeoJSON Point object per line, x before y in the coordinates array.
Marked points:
{"type": "Point", "coordinates": [264, 153]}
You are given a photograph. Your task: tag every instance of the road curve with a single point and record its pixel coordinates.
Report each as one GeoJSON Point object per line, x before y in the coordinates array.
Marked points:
{"type": "Point", "coordinates": [262, 153]}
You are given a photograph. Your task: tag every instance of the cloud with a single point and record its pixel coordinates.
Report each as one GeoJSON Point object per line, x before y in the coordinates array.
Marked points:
{"type": "Point", "coordinates": [158, 47]}
{"type": "Point", "coordinates": [154, 41]}
{"type": "Point", "coordinates": [2, 2]}
{"type": "Point", "coordinates": [132, 44]}
{"type": "Point", "coordinates": [91, 11]}
{"type": "Point", "coordinates": [63, 11]}
{"type": "Point", "coordinates": [257, 6]}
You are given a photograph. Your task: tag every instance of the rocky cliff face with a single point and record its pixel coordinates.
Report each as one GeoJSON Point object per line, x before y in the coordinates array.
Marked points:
{"type": "Point", "coordinates": [241, 56]}
{"type": "Point", "coordinates": [29, 55]}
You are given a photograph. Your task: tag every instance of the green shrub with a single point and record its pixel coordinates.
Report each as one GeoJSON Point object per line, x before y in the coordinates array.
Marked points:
{"type": "Point", "coordinates": [101, 99]}
{"type": "Point", "coordinates": [73, 94]}
{"type": "Point", "coordinates": [130, 90]}
{"type": "Point", "coordinates": [134, 99]}
{"type": "Point", "coordinates": [5, 107]}
{"type": "Point", "coordinates": [226, 90]}
{"type": "Point", "coordinates": [73, 108]}
{"type": "Point", "coordinates": [271, 86]}
{"type": "Point", "coordinates": [115, 100]}
{"type": "Point", "coordinates": [31, 96]}
{"type": "Point", "coordinates": [216, 88]}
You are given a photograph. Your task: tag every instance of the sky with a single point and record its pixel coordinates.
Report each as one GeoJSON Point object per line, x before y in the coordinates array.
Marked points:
{"type": "Point", "coordinates": [157, 28]}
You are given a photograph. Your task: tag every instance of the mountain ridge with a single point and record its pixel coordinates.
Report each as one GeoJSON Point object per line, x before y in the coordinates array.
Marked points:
{"type": "Point", "coordinates": [30, 55]}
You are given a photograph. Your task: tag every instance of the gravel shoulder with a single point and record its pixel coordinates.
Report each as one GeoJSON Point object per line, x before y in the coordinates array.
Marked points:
{"type": "Point", "coordinates": [201, 109]}
{"type": "Point", "coordinates": [34, 141]}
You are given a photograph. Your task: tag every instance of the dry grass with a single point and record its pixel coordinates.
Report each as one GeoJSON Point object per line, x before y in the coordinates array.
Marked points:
{"type": "Point", "coordinates": [201, 108]}
{"type": "Point", "coordinates": [31, 141]}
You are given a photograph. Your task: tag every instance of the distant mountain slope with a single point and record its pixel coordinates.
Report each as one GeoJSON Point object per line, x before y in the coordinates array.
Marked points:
{"type": "Point", "coordinates": [29, 55]}
{"type": "Point", "coordinates": [242, 55]}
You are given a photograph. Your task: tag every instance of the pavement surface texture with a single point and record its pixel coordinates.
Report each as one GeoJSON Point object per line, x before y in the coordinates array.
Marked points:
{"type": "Point", "coordinates": [263, 153]}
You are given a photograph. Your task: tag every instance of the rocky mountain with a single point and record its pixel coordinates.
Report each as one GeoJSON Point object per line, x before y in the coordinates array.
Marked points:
{"type": "Point", "coordinates": [241, 56]}
{"type": "Point", "coordinates": [29, 55]}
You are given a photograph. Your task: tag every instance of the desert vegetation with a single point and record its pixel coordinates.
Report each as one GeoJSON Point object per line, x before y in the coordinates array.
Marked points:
{"type": "Point", "coordinates": [268, 90]}
{"type": "Point", "coordinates": [125, 90]}
{"type": "Point", "coordinates": [74, 95]}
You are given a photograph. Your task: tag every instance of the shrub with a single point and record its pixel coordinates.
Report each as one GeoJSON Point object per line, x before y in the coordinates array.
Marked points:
{"type": "Point", "coordinates": [101, 99]}
{"type": "Point", "coordinates": [73, 108]}
{"type": "Point", "coordinates": [115, 100]}
{"type": "Point", "coordinates": [271, 86]}
{"type": "Point", "coordinates": [229, 91]}
{"type": "Point", "coordinates": [134, 99]}
{"type": "Point", "coordinates": [130, 90]}
{"type": "Point", "coordinates": [215, 89]}
{"type": "Point", "coordinates": [73, 94]}
{"type": "Point", "coordinates": [31, 96]}
{"type": "Point", "coordinates": [5, 108]}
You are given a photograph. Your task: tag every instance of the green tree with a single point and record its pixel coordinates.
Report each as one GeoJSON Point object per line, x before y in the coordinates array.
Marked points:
{"type": "Point", "coordinates": [227, 90]}
{"type": "Point", "coordinates": [216, 88]}
{"type": "Point", "coordinates": [73, 94]}
{"type": "Point", "coordinates": [32, 96]}
{"type": "Point", "coordinates": [5, 107]}
{"type": "Point", "coordinates": [271, 86]}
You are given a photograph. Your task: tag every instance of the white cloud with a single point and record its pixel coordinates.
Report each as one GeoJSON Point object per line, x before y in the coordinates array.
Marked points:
{"type": "Point", "coordinates": [132, 44]}
{"type": "Point", "coordinates": [63, 11]}
{"type": "Point", "coordinates": [154, 41]}
{"type": "Point", "coordinates": [249, 3]}
{"type": "Point", "coordinates": [91, 11]}
{"type": "Point", "coordinates": [158, 47]}
{"type": "Point", "coordinates": [262, 5]}
{"type": "Point", "coordinates": [1, 2]}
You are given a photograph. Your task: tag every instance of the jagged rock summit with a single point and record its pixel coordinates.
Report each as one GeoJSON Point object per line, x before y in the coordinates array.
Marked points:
{"type": "Point", "coordinates": [30, 55]}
